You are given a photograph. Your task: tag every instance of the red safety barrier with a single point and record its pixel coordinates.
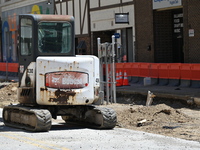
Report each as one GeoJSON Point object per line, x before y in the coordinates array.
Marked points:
{"type": "Point", "coordinates": [185, 70]}
{"type": "Point", "coordinates": [174, 71]}
{"type": "Point", "coordinates": [135, 69]}
{"type": "Point", "coordinates": [12, 67]}
{"type": "Point", "coordinates": [119, 66]}
{"type": "Point", "coordinates": [160, 70]}
{"type": "Point", "coordinates": [195, 71]}
{"type": "Point", "coordinates": [163, 71]}
{"type": "Point", "coordinates": [153, 70]}
{"type": "Point", "coordinates": [128, 68]}
{"type": "Point", "coordinates": [144, 69]}
{"type": "Point", "coordinates": [2, 66]}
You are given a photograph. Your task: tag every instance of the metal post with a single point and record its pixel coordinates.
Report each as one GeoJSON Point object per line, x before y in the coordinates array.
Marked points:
{"type": "Point", "coordinates": [99, 46]}
{"type": "Point", "coordinates": [100, 70]}
{"type": "Point", "coordinates": [107, 73]}
{"type": "Point", "coordinates": [6, 68]}
{"type": "Point", "coordinates": [113, 68]}
{"type": "Point", "coordinates": [111, 72]}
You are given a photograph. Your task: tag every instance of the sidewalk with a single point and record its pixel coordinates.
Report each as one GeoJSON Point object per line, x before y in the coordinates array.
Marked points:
{"type": "Point", "coordinates": [181, 93]}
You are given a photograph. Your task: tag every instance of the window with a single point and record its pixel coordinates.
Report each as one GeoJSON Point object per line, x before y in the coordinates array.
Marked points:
{"type": "Point", "coordinates": [54, 37]}
{"type": "Point", "coordinates": [26, 36]}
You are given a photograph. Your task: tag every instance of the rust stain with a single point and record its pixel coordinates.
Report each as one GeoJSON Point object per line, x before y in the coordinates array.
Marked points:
{"type": "Point", "coordinates": [76, 63]}
{"type": "Point", "coordinates": [62, 96]}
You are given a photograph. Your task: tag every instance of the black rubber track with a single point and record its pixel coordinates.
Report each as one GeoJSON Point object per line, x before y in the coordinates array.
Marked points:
{"type": "Point", "coordinates": [43, 118]}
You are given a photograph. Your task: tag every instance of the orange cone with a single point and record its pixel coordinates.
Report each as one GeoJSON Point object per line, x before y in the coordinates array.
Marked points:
{"type": "Point", "coordinates": [117, 79]}
{"type": "Point", "coordinates": [125, 81]}
{"type": "Point", "coordinates": [120, 77]}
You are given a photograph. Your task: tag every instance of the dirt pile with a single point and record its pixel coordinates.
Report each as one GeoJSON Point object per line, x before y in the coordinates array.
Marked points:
{"type": "Point", "coordinates": [8, 93]}
{"type": "Point", "coordinates": [159, 119]}
{"type": "Point", "coordinates": [160, 113]}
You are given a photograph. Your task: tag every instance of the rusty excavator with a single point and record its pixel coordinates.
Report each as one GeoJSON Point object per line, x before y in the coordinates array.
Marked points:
{"type": "Point", "coordinates": [53, 81]}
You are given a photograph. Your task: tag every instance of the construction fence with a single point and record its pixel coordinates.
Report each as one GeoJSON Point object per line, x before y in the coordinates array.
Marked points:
{"type": "Point", "coordinates": [175, 74]}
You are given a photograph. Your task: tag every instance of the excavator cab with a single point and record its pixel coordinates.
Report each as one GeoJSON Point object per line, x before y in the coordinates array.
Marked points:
{"type": "Point", "coordinates": [41, 35]}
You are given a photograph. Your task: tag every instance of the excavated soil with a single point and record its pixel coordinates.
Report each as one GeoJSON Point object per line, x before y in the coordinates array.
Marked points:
{"type": "Point", "coordinates": [8, 93]}
{"type": "Point", "coordinates": [165, 116]}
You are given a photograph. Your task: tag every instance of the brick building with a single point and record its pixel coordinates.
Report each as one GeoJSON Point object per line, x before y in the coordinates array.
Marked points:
{"type": "Point", "coordinates": [161, 31]}
{"type": "Point", "coordinates": [167, 32]}
{"type": "Point", "coordinates": [97, 18]}
{"type": "Point", "coordinates": [157, 30]}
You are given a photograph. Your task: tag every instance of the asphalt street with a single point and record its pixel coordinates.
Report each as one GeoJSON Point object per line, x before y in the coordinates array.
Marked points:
{"type": "Point", "coordinates": [65, 137]}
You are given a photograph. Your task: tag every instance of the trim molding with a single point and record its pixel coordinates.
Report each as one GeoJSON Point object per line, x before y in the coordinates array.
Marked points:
{"type": "Point", "coordinates": [111, 6]}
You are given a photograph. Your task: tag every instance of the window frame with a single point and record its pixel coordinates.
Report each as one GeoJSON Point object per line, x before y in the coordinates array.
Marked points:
{"type": "Point", "coordinates": [69, 46]}
{"type": "Point", "coordinates": [29, 49]}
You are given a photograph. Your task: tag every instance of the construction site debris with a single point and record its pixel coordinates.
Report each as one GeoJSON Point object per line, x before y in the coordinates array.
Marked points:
{"type": "Point", "coordinates": [164, 116]}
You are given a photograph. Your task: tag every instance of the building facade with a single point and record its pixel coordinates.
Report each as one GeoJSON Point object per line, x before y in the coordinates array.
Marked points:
{"type": "Point", "coordinates": [167, 31]}
{"type": "Point", "coordinates": [157, 31]}
{"type": "Point", "coordinates": [97, 18]}
{"type": "Point", "coordinates": [10, 10]}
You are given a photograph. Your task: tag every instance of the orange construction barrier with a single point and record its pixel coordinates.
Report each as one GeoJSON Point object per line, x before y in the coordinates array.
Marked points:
{"type": "Point", "coordinates": [186, 73]}
{"type": "Point", "coordinates": [119, 66]}
{"type": "Point", "coordinates": [144, 69]}
{"type": "Point", "coordinates": [125, 81]}
{"type": "Point", "coordinates": [135, 70]}
{"type": "Point", "coordinates": [120, 77]}
{"type": "Point", "coordinates": [117, 79]}
{"type": "Point", "coordinates": [2, 66]}
{"type": "Point", "coordinates": [195, 75]}
{"type": "Point", "coordinates": [128, 67]}
{"type": "Point", "coordinates": [174, 71]}
{"type": "Point", "coordinates": [163, 70]}
{"type": "Point", "coordinates": [195, 71]}
{"type": "Point", "coordinates": [153, 70]}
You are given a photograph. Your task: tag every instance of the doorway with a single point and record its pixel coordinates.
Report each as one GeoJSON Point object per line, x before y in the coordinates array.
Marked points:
{"type": "Point", "coordinates": [106, 36]}
{"type": "Point", "coordinates": [177, 36]}
{"type": "Point", "coordinates": [168, 36]}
